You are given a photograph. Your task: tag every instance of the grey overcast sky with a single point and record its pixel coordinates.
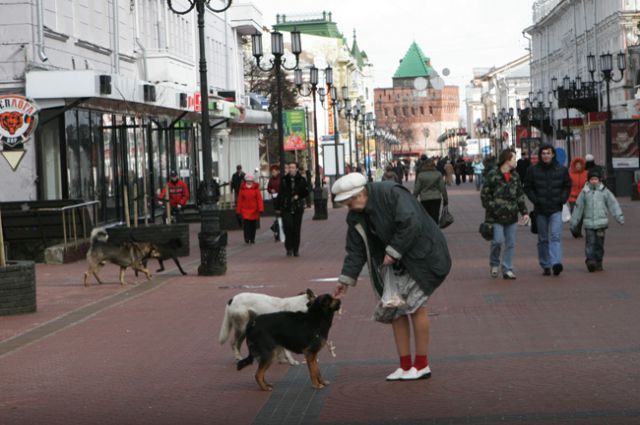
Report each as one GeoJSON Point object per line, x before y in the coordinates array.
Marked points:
{"type": "Point", "coordinates": [455, 34]}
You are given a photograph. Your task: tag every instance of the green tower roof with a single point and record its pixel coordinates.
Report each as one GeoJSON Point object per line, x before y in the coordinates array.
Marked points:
{"type": "Point", "coordinates": [313, 24]}
{"type": "Point", "coordinates": [414, 64]}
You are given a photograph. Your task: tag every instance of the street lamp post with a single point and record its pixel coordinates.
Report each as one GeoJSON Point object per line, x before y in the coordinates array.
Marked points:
{"type": "Point", "coordinates": [334, 106]}
{"type": "Point", "coordinates": [366, 122]}
{"type": "Point", "coordinates": [212, 241]}
{"type": "Point", "coordinates": [356, 113]}
{"type": "Point", "coordinates": [277, 65]}
{"type": "Point", "coordinates": [347, 114]}
{"type": "Point", "coordinates": [566, 88]}
{"type": "Point", "coordinates": [319, 204]}
{"type": "Point", "coordinates": [606, 69]}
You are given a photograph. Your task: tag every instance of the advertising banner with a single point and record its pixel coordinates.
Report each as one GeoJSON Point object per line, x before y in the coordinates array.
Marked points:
{"type": "Point", "coordinates": [624, 144]}
{"type": "Point", "coordinates": [295, 131]}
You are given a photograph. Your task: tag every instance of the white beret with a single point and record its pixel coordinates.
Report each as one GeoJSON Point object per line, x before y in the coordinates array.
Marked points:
{"type": "Point", "coordinates": [347, 186]}
{"type": "Point", "coordinates": [588, 157]}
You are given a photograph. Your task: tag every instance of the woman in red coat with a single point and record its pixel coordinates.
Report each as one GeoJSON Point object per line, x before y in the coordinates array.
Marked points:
{"type": "Point", "coordinates": [578, 174]}
{"type": "Point", "coordinates": [249, 206]}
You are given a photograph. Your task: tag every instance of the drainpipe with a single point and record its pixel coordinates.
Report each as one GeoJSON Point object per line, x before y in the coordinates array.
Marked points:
{"type": "Point", "coordinates": [116, 37]}
{"type": "Point", "coordinates": [40, 30]}
{"type": "Point", "coordinates": [145, 71]}
{"type": "Point", "coordinates": [226, 50]}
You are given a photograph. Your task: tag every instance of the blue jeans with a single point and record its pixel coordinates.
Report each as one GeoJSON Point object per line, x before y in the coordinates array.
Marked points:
{"type": "Point", "coordinates": [478, 178]}
{"type": "Point", "coordinates": [549, 239]}
{"type": "Point", "coordinates": [503, 234]}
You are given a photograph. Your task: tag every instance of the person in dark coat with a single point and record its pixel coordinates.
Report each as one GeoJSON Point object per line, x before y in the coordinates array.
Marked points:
{"type": "Point", "coordinates": [236, 181]}
{"type": "Point", "coordinates": [522, 166]}
{"type": "Point", "coordinates": [387, 227]}
{"type": "Point", "coordinates": [290, 205]}
{"type": "Point", "coordinates": [548, 185]}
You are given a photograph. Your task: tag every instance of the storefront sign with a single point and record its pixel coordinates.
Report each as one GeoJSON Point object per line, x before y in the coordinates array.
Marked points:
{"type": "Point", "coordinates": [18, 120]}
{"type": "Point", "coordinates": [293, 123]}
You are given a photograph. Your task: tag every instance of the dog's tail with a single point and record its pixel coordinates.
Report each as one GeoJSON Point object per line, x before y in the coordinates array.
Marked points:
{"type": "Point", "coordinates": [244, 362]}
{"type": "Point", "coordinates": [225, 328]}
{"type": "Point", "coordinates": [99, 234]}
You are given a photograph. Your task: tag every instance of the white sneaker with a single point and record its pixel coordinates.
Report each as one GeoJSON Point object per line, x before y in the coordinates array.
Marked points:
{"type": "Point", "coordinates": [413, 374]}
{"type": "Point", "coordinates": [397, 375]}
{"type": "Point", "coordinates": [494, 272]}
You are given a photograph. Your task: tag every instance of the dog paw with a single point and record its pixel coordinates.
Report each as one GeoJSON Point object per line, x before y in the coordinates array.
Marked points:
{"type": "Point", "coordinates": [318, 386]}
{"type": "Point", "coordinates": [267, 387]}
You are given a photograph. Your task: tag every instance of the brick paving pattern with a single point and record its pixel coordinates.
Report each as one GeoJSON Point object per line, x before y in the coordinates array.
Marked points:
{"type": "Point", "coordinates": [537, 350]}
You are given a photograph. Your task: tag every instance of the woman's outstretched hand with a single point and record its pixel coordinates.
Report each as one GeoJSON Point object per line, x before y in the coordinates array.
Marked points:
{"type": "Point", "coordinates": [340, 290]}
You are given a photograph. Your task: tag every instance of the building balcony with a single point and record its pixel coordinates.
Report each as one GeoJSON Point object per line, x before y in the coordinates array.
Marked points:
{"type": "Point", "coordinates": [245, 18]}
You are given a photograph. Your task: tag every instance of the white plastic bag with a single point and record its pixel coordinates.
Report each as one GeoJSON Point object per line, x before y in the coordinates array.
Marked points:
{"type": "Point", "coordinates": [281, 229]}
{"type": "Point", "coordinates": [566, 213]}
{"type": "Point", "coordinates": [392, 299]}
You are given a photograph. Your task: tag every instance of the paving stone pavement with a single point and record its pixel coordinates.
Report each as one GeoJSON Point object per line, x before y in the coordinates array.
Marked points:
{"type": "Point", "coordinates": [537, 350]}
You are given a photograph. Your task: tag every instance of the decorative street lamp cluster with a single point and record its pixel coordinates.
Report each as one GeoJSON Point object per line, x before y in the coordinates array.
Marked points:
{"type": "Point", "coordinates": [277, 65]}
{"type": "Point", "coordinates": [320, 204]}
{"type": "Point", "coordinates": [583, 96]}
{"type": "Point", "coordinates": [351, 111]}
{"type": "Point", "coordinates": [607, 74]}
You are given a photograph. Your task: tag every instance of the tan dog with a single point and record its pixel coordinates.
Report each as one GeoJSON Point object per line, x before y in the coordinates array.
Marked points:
{"type": "Point", "coordinates": [127, 254]}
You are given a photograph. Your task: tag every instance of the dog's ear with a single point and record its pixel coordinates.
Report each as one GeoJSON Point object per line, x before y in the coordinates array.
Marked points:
{"type": "Point", "coordinates": [310, 295]}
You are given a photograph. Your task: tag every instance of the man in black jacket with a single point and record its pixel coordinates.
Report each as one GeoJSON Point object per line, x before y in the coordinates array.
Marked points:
{"type": "Point", "coordinates": [290, 205]}
{"type": "Point", "coordinates": [547, 185]}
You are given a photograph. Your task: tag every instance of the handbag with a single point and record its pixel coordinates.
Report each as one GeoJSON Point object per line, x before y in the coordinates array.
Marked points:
{"type": "Point", "coordinates": [486, 231]}
{"type": "Point", "coordinates": [446, 219]}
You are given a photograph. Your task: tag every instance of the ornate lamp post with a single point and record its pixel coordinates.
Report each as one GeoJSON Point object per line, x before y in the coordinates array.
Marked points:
{"type": "Point", "coordinates": [356, 113]}
{"type": "Point", "coordinates": [335, 106]}
{"type": "Point", "coordinates": [606, 70]}
{"type": "Point", "coordinates": [347, 114]}
{"type": "Point", "coordinates": [367, 122]}
{"type": "Point", "coordinates": [277, 65]}
{"type": "Point", "coordinates": [320, 204]}
{"type": "Point", "coordinates": [212, 241]}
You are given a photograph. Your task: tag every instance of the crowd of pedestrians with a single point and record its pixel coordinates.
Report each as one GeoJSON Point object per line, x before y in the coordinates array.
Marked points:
{"type": "Point", "coordinates": [396, 233]}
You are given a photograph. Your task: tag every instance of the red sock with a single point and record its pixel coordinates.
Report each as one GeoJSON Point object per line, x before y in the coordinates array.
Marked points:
{"type": "Point", "coordinates": [421, 362]}
{"type": "Point", "coordinates": [405, 362]}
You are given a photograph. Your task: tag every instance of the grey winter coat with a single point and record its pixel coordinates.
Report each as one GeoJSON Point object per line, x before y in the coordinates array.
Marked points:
{"type": "Point", "coordinates": [430, 185]}
{"type": "Point", "coordinates": [394, 223]}
{"type": "Point", "coordinates": [593, 206]}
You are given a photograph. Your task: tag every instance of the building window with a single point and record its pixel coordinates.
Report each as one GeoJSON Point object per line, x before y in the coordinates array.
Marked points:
{"type": "Point", "coordinates": [386, 112]}
{"type": "Point", "coordinates": [422, 110]}
{"type": "Point", "coordinates": [431, 110]}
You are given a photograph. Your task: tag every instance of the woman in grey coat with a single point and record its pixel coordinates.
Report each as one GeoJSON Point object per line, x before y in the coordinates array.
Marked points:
{"type": "Point", "coordinates": [388, 227]}
{"type": "Point", "coordinates": [430, 189]}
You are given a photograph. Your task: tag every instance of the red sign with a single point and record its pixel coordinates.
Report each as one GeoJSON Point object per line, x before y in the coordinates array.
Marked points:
{"type": "Point", "coordinates": [193, 102]}
{"type": "Point", "coordinates": [572, 122]}
{"type": "Point", "coordinates": [596, 117]}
